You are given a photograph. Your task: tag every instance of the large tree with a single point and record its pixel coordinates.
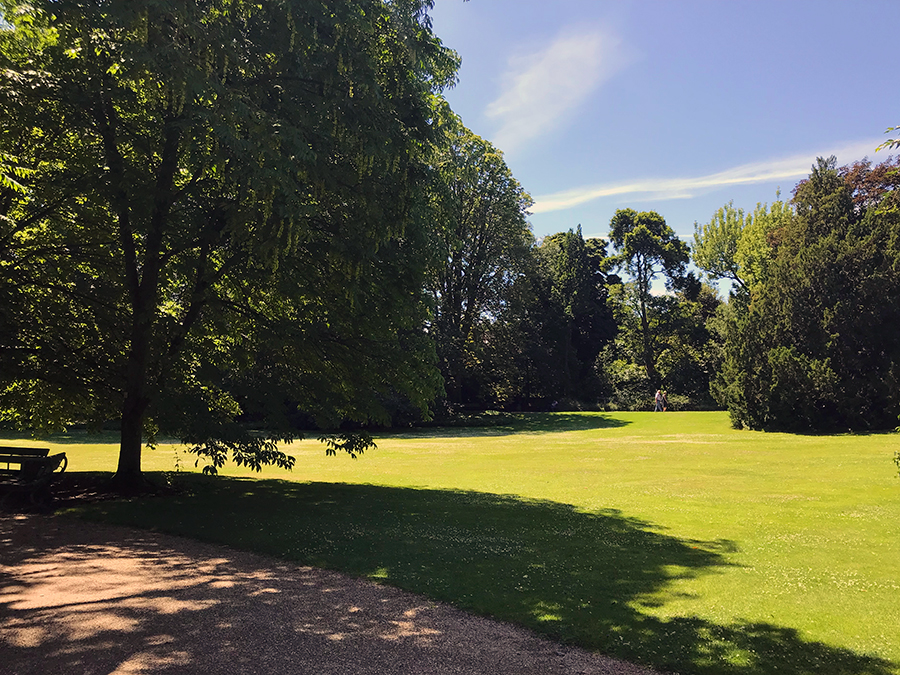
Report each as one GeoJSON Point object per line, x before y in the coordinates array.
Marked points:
{"type": "Point", "coordinates": [482, 241]}
{"type": "Point", "coordinates": [818, 347]}
{"type": "Point", "coordinates": [222, 212]}
{"type": "Point", "coordinates": [544, 345]}
{"type": "Point", "coordinates": [716, 243]}
{"type": "Point", "coordinates": [646, 247]}
{"type": "Point", "coordinates": [575, 273]}
{"type": "Point", "coordinates": [684, 342]}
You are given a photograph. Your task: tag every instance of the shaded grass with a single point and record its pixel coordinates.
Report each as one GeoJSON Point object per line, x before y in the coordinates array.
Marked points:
{"type": "Point", "coordinates": [491, 423]}
{"type": "Point", "coordinates": [668, 539]}
{"type": "Point", "coordinates": [581, 578]}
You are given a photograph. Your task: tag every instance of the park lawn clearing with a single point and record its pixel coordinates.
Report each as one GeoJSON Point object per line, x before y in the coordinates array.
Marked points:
{"type": "Point", "coordinates": [669, 539]}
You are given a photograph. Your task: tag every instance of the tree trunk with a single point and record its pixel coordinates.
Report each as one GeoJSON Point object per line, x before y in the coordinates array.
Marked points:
{"type": "Point", "coordinates": [143, 284]}
{"type": "Point", "coordinates": [129, 478]}
{"type": "Point", "coordinates": [649, 364]}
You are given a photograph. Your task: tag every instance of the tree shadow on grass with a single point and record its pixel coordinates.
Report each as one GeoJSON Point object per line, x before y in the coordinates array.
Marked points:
{"type": "Point", "coordinates": [504, 424]}
{"type": "Point", "coordinates": [489, 423]}
{"type": "Point", "coordinates": [578, 577]}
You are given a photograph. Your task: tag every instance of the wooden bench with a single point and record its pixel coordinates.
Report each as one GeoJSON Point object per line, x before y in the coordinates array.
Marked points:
{"type": "Point", "coordinates": [28, 471]}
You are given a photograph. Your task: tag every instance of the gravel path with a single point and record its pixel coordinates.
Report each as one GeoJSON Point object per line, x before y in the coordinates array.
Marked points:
{"type": "Point", "coordinates": [78, 597]}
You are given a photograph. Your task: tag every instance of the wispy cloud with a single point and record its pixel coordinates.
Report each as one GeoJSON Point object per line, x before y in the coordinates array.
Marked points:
{"type": "Point", "coordinates": [541, 88]}
{"type": "Point", "coordinates": [796, 166]}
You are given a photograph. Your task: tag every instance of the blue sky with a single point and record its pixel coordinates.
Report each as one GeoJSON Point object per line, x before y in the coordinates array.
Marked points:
{"type": "Point", "coordinates": [675, 107]}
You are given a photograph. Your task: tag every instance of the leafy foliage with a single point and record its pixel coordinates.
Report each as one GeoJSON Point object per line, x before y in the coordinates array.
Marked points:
{"type": "Point", "coordinates": [482, 243]}
{"type": "Point", "coordinates": [645, 248]}
{"type": "Point", "coordinates": [683, 340]}
{"type": "Point", "coordinates": [353, 444]}
{"type": "Point", "coordinates": [891, 143]}
{"type": "Point", "coordinates": [222, 214]}
{"type": "Point", "coordinates": [716, 244]}
{"type": "Point", "coordinates": [10, 171]}
{"type": "Point", "coordinates": [738, 246]}
{"type": "Point", "coordinates": [575, 273]}
{"type": "Point", "coordinates": [817, 348]}
{"type": "Point", "coordinates": [545, 344]}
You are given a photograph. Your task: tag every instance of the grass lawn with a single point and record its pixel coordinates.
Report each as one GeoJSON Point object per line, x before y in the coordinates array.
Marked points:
{"type": "Point", "coordinates": [669, 539]}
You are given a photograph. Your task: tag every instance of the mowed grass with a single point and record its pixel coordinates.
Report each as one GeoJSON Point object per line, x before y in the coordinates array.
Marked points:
{"type": "Point", "coordinates": [670, 539]}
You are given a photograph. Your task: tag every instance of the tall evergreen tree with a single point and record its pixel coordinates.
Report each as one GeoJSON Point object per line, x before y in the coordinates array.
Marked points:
{"type": "Point", "coordinates": [577, 284]}
{"type": "Point", "coordinates": [818, 347]}
{"type": "Point", "coordinates": [544, 346]}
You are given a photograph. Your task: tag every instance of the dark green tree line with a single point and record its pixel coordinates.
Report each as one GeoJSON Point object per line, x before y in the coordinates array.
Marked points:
{"type": "Point", "coordinates": [580, 323]}
{"type": "Point", "coordinates": [544, 346]}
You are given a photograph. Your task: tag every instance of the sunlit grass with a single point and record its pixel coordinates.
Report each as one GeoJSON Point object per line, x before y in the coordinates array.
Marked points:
{"type": "Point", "coordinates": [668, 538]}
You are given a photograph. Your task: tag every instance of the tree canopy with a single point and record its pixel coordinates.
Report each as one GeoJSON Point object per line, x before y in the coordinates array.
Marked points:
{"type": "Point", "coordinates": [817, 347]}
{"type": "Point", "coordinates": [738, 246]}
{"type": "Point", "coordinates": [209, 209]}
{"type": "Point", "coordinates": [581, 322]}
{"type": "Point", "coordinates": [482, 239]}
{"type": "Point", "coordinates": [716, 243]}
{"type": "Point", "coordinates": [647, 247]}
{"type": "Point", "coordinates": [218, 217]}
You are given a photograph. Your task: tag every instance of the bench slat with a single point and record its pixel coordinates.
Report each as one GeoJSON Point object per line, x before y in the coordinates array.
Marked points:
{"type": "Point", "coordinates": [31, 452]}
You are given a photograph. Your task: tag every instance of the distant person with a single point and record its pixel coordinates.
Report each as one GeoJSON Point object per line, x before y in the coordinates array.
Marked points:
{"type": "Point", "coordinates": [665, 401]}
{"type": "Point", "coordinates": [659, 401]}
